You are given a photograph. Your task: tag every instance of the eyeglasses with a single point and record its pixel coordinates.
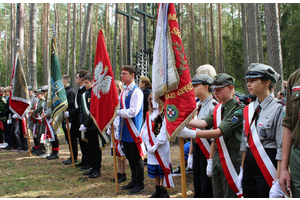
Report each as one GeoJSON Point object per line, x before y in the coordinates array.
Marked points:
{"type": "Point", "coordinates": [124, 74]}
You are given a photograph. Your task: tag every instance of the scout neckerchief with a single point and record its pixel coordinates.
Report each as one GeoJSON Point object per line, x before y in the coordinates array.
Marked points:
{"type": "Point", "coordinates": [228, 168]}
{"type": "Point", "coordinates": [262, 159]}
{"type": "Point", "coordinates": [163, 162]}
{"type": "Point", "coordinates": [202, 142]}
{"type": "Point", "coordinates": [133, 130]}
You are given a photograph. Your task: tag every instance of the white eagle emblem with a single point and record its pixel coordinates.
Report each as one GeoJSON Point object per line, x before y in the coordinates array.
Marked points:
{"type": "Point", "coordinates": [102, 82]}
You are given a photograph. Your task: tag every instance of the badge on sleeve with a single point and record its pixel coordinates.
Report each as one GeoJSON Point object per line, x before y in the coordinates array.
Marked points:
{"type": "Point", "coordinates": [234, 119]}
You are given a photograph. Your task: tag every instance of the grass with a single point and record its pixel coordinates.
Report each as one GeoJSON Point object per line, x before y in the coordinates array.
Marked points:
{"type": "Point", "coordinates": [36, 177]}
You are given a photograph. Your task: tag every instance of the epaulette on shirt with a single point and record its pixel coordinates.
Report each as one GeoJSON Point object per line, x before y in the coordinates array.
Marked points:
{"type": "Point", "coordinates": [238, 103]}
{"type": "Point", "coordinates": [281, 102]}
{"type": "Point", "coordinates": [215, 103]}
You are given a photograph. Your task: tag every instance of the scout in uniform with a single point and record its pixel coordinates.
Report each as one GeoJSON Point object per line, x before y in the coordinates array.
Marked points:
{"type": "Point", "coordinates": [201, 150]}
{"type": "Point", "coordinates": [35, 113]}
{"type": "Point", "coordinates": [290, 181]}
{"type": "Point", "coordinates": [262, 135]}
{"type": "Point", "coordinates": [31, 120]}
{"type": "Point", "coordinates": [227, 135]}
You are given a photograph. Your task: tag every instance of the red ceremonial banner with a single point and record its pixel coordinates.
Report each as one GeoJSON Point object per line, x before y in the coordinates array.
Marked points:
{"type": "Point", "coordinates": [104, 99]}
{"type": "Point", "coordinates": [19, 102]}
{"type": "Point", "coordinates": [180, 104]}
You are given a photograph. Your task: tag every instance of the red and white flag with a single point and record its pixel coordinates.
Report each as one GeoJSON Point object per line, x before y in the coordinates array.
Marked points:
{"type": "Point", "coordinates": [172, 86]}
{"type": "Point", "coordinates": [19, 102]}
{"type": "Point", "coordinates": [104, 99]}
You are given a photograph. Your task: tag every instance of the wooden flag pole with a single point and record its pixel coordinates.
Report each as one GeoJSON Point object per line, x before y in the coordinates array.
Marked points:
{"type": "Point", "coordinates": [70, 144]}
{"type": "Point", "coordinates": [115, 159]}
{"type": "Point", "coordinates": [28, 136]}
{"type": "Point", "coordinates": [182, 167]}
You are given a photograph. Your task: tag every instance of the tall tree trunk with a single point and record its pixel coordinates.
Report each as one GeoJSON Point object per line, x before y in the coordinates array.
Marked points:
{"type": "Point", "coordinates": [252, 32]}
{"type": "Point", "coordinates": [220, 40]}
{"type": "Point", "coordinates": [32, 51]}
{"type": "Point", "coordinates": [273, 41]}
{"type": "Point", "coordinates": [88, 21]}
{"type": "Point", "coordinates": [90, 49]}
{"type": "Point", "coordinates": [73, 77]}
{"type": "Point", "coordinates": [125, 40]}
{"type": "Point", "coordinates": [115, 42]}
{"type": "Point", "coordinates": [121, 38]}
{"type": "Point", "coordinates": [193, 55]}
{"type": "Point", "coordinates": [20, 29]}
{"type": "Point", "coordinates": [12, 35]}
{"type": "Point", "coordinates": [206, 45]}
{"type": "Point", "coordinates": [180, 16]}
{"type": "Point", "coordinates": [200, 36]}
{"type": "Point", "coordinates": [141, 30]}
{"type": "Point", "coordinates": [212, 37]}
{"type": "Point", "coordinates": [58, 36]}
{"type": "Point", "coordinates": [245, 44]}
{"type": "Point", "coordinates": [259, 36]}
{"type": "Point", "coordinates": [46, 47]}
{"type": "Point", "coordinates": [6, 45]}
{"type": "Point", "coordinates": [80, 28]}
{"type": "Point", "coordinates": [106, 14]}
{"type": "Point", "coordinates": [68, 36]}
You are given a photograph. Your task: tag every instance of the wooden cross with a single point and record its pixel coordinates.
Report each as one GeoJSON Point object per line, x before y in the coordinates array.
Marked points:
{"type": "Point", "coordinates": [129, 17]}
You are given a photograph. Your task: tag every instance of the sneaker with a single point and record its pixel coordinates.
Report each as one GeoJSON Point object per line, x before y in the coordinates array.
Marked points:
{"type": "Point", "coordinates": [3, 145]}
{"type": "Point", "coordinates": [176, 172]}
{"type": "Point", "coordinates": [15, 150]}
{"type": "Point", "coordinates": [44, 155]}
{"type": "Point", "coordinates": [188, 170]}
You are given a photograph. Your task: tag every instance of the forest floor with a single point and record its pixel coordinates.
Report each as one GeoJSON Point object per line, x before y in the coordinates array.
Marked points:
{"type": "Point", "coordinates": [22, 176]}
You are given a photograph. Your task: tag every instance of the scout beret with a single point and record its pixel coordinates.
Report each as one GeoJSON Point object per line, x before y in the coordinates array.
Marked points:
{"type": "Point", "coordinates": [44, 88]}
{"type": "Point", "coordinates": [222, 80]}
{"type": "Point", "coordinates": [258, 70]}
{"type": "Point", "coordinates": [29, 88]}
{"type": "Point", "coordinates": [202, 78]}
{"type": "Point", "coordinates": [39, 90]}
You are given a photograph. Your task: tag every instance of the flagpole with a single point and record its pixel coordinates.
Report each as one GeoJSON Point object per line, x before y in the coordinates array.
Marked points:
{"type": "Point", "coordinates": [115, 159]}
{"type": "Point", "coordinates": [70, 143]}
{"type": "Point", "coordinates": [182, 167]}
{"type": "Point", "coordinates": [28, 136]}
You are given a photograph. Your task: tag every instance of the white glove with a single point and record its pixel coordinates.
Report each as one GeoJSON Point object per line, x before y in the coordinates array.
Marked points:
{"type": "Point", "coordinates": [152, 149]}
{"type": "Point", "coordinates": [187, 133]}
{"type": "Point", "coordinates": [14, 116]}
{"type": "Point", "coordinates": [66, 114]}
{"type": "Point", "coordinates": [69, 126]}
{"type": "Point", "coordinates": [240, 178]}
{"type": "Point", "coordinates": [209, 167]}
{"type": "Point", "coordinates": [190, 161]}
{"type": "Point", "coordinates": [39, 118]}
{"type": "Point", "coordinates": [275, 191]}
{"type": "Point", "coordinates": [82, 128]}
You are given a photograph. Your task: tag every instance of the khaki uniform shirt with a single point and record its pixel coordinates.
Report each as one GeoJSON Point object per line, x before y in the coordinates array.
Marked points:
{"type": "Point", "coordinates": [232, 123]}
{"type": "Point", "coordinates": [291, 119]}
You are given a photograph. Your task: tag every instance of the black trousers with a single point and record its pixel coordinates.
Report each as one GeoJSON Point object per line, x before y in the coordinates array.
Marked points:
{"type": "Point", "coordinates": [16, 134]}
{"type": "Point", "coordinates": [55, 144]}
{"type": "Point", "coordinates": [254, 183]}
{"type": "Point", "coordinates": [73, 135]}
{"type": "Point", "coordinates": [135, 162]}
{"type": "Point", "coordinates": [96, 153]}
{"type": "Point", "coordinates": [7, 128]}
{"type": "Point", "coordinates": [202, 183]}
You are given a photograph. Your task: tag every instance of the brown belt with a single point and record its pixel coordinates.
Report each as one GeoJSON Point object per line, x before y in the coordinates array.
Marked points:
{"type": "Point", "coordinates": [297, 145]}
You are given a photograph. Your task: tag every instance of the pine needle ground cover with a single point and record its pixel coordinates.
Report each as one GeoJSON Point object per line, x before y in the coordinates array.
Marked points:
{"type": "Point", "coordinates": [23, 176]}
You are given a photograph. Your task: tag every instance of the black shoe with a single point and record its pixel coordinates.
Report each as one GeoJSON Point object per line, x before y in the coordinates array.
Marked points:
{"type": "Point", "coordinates": [95, 174]}
{"type": "Point", "coordinates": [136, 189]}
{"type": "Point", "coordinates": [86, 167]}
{"type": "Point", "coordinates": [38, 152]}
{"type": "Point", "coordinates": [88, 172]}
{"type": "Point", "coordinates": [156, 194]}
{"type": "Point", "coordinates": [128, 186]}
{"type": "Point", "coordinates": [164, 193]}
{"type": "Point", "coordinates": [68, 162]}
{"type": "Point", "coordinates": [8, 147]}
{"type": "Point", "coordinates": [113, 179]}
{"type": "Point", "coordinates": [122, 178]}
{"type": "Point", "coordinates": [53, 156]}
{"type": "Point", "coordinates": [81, 164]}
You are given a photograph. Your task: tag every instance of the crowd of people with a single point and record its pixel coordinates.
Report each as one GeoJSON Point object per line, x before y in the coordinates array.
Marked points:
{"type": "Point", "coordinates": [232, 149]}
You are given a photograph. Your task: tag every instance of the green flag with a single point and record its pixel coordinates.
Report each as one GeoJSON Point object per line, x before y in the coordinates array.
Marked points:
{"type": "Point", "coordinates": [59, 101]}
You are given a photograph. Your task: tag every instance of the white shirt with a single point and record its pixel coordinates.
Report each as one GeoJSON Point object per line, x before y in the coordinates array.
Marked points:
{"type": "Point", "coordinates": [136, 102]}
